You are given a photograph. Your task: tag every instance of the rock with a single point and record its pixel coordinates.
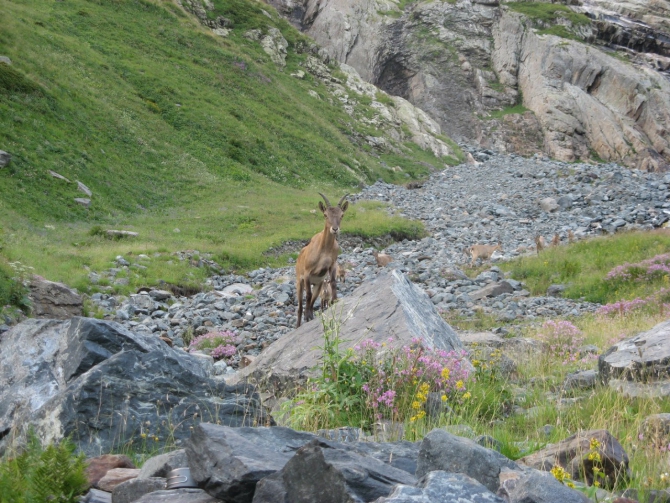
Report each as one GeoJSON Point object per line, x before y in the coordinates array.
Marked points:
{"type": "Point", "coordinates": [5, 158]}
{"type": "Point", "coordinates": [492, 290]}
{"type": "Point", "coordinates": [318, 470]}
{"type": "Point", "coordinates": [97, 496]}
{"type": "Point", "coordinates": [116, 476]}
{"type": "Point", "coordinates": [572, 455]}
{"type": "Point", "coordinates": [645, 356]}
{"type": "Point", "coordinates": [441, 450]}
{"type": "Point", "coordinates": [178, 496]}
{"type": "Point", "coordinates": [83, 188]}
{"type": "Point", "coordinates": [83, 201]}
{"type": "Point", "coordinates": [161, 465]}
{"type": "Point", "coordinates": [633, 389]}
{"type": "Point", "coordinates": [585, 379]}
{"type": "Point", "coordinates": [97, 467]}
{"type": "Point", "coordinates": [221, 32]}
{"type": "Point", "coordinates": [81, 370]}
{"type": "Point", "coordinates": [390, 304]}
{"type": "Point", "coordinates": [236, 289]}
{"type": "Point", "coordinates": [439, 487]}
{"type": "Point", "coordinates": [228, 462]}
{"type": "Point", "coordinates": [133, 489]}
{"type": "Point", "coordinates": [549, 204]}
{"type": "Point", "coordinates": [60, 177]}
{"type": "Point", "coordinates": [5, 60]}
{"type": "Point", "coordinates": [271, 489]}
{"type": "Point", "coordinates": [536, 487]}
{"type": "Point", "coordinates": [555, 290]}
{"type": "Point", "coordinates": [54, 300]}
{"type": "Point", "coordinates": [656, 429]}
{"type": "Point", "coordinates": [121, 234]}
{"type": "Point", "coordinates": [275, 45]}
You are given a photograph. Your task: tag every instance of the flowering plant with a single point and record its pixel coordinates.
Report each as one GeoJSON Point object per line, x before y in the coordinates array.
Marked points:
{"type": "Point", "coordinates": [220, 344]}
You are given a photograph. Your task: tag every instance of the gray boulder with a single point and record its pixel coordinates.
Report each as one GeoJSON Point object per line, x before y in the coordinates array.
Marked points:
{"type": "Point", "coordinates": [388, 305]}
{"type": "Point", "coordinates": [5, 158]}
{"type": "Point", "coordinates": [161, 465]}
{"type": "Point", "coordinates": [319, 472]}
{"type": "Point", "coordinates": [103, 385]}
{"type": "Point", "coordinates": [54, 300]}
{"type": "Point", "coordinates": [442, 487]}
{"type": "Point", "coordinates": [178, 496]}
{"type": "Point", "coordinates": [441, 450]}
{"type": "Point", "coordinates": [585, 379]}
{"type": "Point", "coordinates": [644, 358]}
{"type": "Point", "coordinates": [549, 204]}
{"type": "Point", "coordinates": [132, 490]}
{"type": "Point", "coordinates": [532, 486]}
{"type": "Point", "coordinates": [492, 290]}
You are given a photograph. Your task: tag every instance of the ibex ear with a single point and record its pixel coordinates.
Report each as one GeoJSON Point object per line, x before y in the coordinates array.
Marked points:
{"type": "Point", "coordinates": [344, 206]}
{"type": "Point", "coordinates": [322, 207]}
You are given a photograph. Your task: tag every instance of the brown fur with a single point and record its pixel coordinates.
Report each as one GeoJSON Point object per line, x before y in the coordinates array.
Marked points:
{"type": "Point", "coordinates": [539, 244]}
{"type": "Point", "coordinates": [483, 252]}
{"type": "Point", "coordinates": [317, 261]}
{"type": "Point", "coordinates": [382, 258]}
{"type": "Point", "coordinates": [556, 240]}
{"type": "Point", "coordinates": [571, 237]}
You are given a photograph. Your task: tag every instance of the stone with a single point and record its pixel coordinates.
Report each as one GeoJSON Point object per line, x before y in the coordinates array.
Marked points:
{"type": "Point", "coordinates": [271, 489]}
{"type": "Point", "coordinates": [585, 379]}
{"type": "Point", "coordinates": [60, 177]}
{"type": "Point", "coordinates": [320, 472]}
{"type": "Point", "coordinates": [492, 290]}
{"type": "Point", "coordinates": [97, 467]}
{"type": "Point", "coordinates": [221, 32]}
{"type": "Point", "coordinates": [83, 188]}
{"type": "Point", "coordinates": [82, 369]}
{"type": "Point", "coordinates": [536, 487]}
{"type": "Point", "coordinates": [116, 476]}
{"type": "Point", "coordinates": [161, 465]}
{"type": "Point", "coordinates": [656, 429]}
{"type": "Point", "coordinates": [634, 389]}
{"type": "Point", "coordinates": [54, 300]}
{"type": "Point", "coordinates": [83, 201]}
{"type": "Point", "coordinates": [441, 450]}
{"type": "Point", "coordinates": [121, 234]}
{"type": "Point", "coordinates": [184, 495]}
{"type": "Point", "coordinates": [236, 289]}
{"type": "Point", "coordinates": [549, 204]}
{"type": "Point", "coordinates": [5, 60]}
{"type": "Point", "coordinates": [275, 45]}
{"type": "Point", "coordinates": [441, 487]}
{"type": "Point", "coordinates": [572, 455]}
{"type": "Point", "coordinates": [97, 496]}
{"type": "Point", "coordinates": [133, 489]}
{"type": "Point", "coordinates": [555, 290]}
{"type": "Point", "coordinates": [5, 158]}
{"type": "Point", "coordinates": [390, 304]}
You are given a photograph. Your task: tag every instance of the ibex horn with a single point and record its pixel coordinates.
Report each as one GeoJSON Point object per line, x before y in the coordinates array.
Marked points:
{"type": "Point", "coordinates": [325, 199]}
{"type": "Point", "coordinates": [342, 200]}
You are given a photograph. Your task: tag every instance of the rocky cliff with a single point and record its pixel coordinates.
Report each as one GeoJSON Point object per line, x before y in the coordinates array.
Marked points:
{"type": "Point", "coordinates": [591, 74]}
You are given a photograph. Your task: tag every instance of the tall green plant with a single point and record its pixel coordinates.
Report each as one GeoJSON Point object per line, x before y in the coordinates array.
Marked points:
{"type": "Point", "coordinates": [51, 474]}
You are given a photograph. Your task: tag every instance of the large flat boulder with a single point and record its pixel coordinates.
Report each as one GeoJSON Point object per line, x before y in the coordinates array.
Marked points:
{"type": "Point", "coordinates": [104, 385]}
{"type": "Point", "coordinates": [643, 358]}
{"type": "Point", "coordinates": [389, 306]}
{"type": "Point", "coordinates": [54, 300]}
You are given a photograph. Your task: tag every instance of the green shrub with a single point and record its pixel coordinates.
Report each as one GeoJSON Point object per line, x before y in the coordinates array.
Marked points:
{"type": "Point", "coordinates": [13, 292]}
{"type": "Point", "coordinates": [14, 81]}
{"type": "Point", "coordinates": [51, 474]}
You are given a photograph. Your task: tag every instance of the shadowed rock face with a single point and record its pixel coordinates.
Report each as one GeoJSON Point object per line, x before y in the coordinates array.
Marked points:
{"type": "Point", "coordinates": [458, 61]}
{"type": "Point", "coordinates": [102, 385]}
{"type": "Point", "coordinates": [389, 306]}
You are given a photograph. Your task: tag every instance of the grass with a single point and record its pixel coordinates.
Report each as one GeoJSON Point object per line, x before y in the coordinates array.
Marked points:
{"type": "Point", "coordinates": [171, 128]}
{"type": "Point", "coordinates": [548, 12]}
{"type": "Point", "coordinates": [584, 265]}
{"type": "Point", "coordinates": [560, 31]}
{"type": "Point", "coordinates": [499, 114]}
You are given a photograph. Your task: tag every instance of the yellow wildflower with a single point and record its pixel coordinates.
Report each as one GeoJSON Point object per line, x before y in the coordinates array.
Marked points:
{"type": "Point", "coordinates": [460, 385]}
{"type": "Point", "coordinates": [445, 373]}
{"type": "Point", "coordinates": [466, 395]}
{"type": "Point", "coordinates": [444, 398]}
{"type": "Point", "coordinates": [594, 444]}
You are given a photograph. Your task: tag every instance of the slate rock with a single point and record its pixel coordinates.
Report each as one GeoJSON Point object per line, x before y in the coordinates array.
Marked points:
{"type": "Point", "coordinates": [85, 202]}
{"type": "Point", "coordinates": [572, 455]}
{"type": "Point", "coordinates": [183, 495]}
{"type": "Point", "coordinates": [132, 490]}
{"type": "Point", "coordinates": [492, 290]}
{"type": "Point", "coordinates": [389, 304]}
{"type": "Point", "coordinates": [319, 472]}
{"type": "Point", "coordinates": [555, 290]}
{"type": "Point", "coordinates": [441, 450]}
{"type": "Point", "coordinates": [92, 379]}
{"type": "Point", "coordinates": [585, 379]}
{"type": "Point", "coordinates": [54, 300]}
{"type": "Point", "coordinates": [161, 465]}
{"type": "Point", "coordinates": [536, 487]}
{"type": "Point", "coordinates": [634, 389]}
{"type": "Point", "coordinates": [117, 476]}
{"type": "Point", "coordinates": [644, 357]}
{"type": "Point", "coordinates": [549, 204]}
{"type": "Point", "coordinates": [442, 487]}
{"type": "Point", "coordinates": [656, 429]}
{"type": "Point", "coordinates": [228, 462]}
{"type": "Point", "coordinates": [271, 489]}
{"type": "Point", "coordinates": [97, 496]}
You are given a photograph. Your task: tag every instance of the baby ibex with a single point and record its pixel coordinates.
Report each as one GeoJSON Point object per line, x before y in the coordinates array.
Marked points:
{"type": "Point", "coordinates": [556, 240]}
{"type": "Point", "coordinates": [539, 243]}
{"type": "Point", "coordinates": [318, 259]}
{"type": "Point", "coordinates": [571, 237]}
{"type": "Point", "coordinates": [382, 258]}
{"type": "Point", "coordinates": [483, 252]}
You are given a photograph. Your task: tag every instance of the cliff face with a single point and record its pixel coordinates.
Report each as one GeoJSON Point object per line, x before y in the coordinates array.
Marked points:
{"type": "Point", "coordinates": [597, 91]}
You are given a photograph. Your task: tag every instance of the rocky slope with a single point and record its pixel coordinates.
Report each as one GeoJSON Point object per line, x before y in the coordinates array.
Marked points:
{"type": "Point", "coordinates": [602, 94]}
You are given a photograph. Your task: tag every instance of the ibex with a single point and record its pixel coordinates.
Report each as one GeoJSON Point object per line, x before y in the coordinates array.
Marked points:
{"type": "Point", "coordinates": [571, 237]}
{"type": "Point", "coordinates": [326, 291]}
{"type": "Point", "coordinates": [482, 251]}
{"type": "Point", "coordinates": [539, 244]}
{"type": "Point", "coordinates": [556, 240]}
{"type": "Point", "coordinates": [318, 259]}
{"type": "Point", "coordinates": [382, 258]}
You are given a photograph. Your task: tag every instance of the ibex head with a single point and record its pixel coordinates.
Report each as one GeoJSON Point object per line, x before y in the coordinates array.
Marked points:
{"type": "Point", "coordinates": [333, 214]}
